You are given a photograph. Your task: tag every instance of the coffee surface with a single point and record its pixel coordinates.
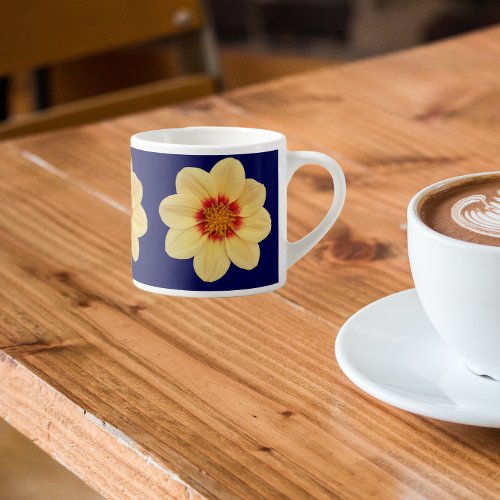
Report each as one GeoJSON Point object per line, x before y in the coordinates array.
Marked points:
{"type": "Point", "coordinates": [467, 210]}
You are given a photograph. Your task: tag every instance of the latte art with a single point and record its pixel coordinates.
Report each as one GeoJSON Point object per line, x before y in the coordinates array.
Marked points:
{"type": "Point", "coordinates": [466, 209]}
{"type": "Point", "coordinates": [475, 213]}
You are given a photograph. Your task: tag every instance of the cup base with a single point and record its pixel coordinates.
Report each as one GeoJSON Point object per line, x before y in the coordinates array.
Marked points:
{"type": "Point", "coordinates": [483, 373]}
{"type": "Point", "coordinates": [207, 294]}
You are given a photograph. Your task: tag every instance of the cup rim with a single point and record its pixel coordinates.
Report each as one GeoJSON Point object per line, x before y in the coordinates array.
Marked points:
{"type": "Point", "coordinates": [414, 216]}
{"type": "Point", "coordinates": [264, 140]}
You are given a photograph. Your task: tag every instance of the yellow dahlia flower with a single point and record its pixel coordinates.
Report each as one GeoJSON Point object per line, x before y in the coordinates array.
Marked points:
{"type": "Point", "coordinates": [139, 219]}
{"type": "Point", "coordinates": [216, 217]}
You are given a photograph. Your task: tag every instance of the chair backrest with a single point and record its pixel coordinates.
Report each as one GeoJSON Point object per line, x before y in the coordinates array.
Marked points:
{"type": "Point", "coordinates": [35, 33]}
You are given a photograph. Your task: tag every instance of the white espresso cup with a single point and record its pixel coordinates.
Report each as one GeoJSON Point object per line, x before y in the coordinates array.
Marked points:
{"type": "Point", "coordinates": [458, 284]}
{"type": "Point", "coordinates": [209, 210]}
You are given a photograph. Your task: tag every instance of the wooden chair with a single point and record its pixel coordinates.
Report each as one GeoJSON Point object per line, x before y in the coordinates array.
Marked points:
{"type": "Point", "coordinates": [35, 34]}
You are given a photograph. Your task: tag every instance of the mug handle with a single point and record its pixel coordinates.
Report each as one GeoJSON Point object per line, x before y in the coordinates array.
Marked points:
{"type": "Point", "coordinates": [296, 159]}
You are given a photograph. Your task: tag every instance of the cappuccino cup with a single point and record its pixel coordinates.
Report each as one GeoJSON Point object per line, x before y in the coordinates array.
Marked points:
{"type": "Point", "coordinates": [454, 252]}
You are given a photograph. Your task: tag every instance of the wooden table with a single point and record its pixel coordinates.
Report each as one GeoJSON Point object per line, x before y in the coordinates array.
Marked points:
{"type": "Point", "coordinates": [146, 396]}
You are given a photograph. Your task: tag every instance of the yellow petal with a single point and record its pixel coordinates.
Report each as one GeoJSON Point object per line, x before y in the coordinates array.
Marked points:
{"type": "Point", "coordinates": [256, 227]}
{"type": "Point", "coordinates": [196, 183]}
{"type": "Point", "coordinates": [211, 262]}
{"type": "Point", "coordinates": [229, 176]}
{"type": "Point", "coordinates": [179, 211]}
{"type": "Point", "coordinates": [136, 190]}
{"type": "Point", "coordinates": [242, 253]}
{"type": "Point", "coordinates": [183, 243]}
{"type": "Point", "coordinates": [252, 198]}
{"type": "Point", "coordinates": [135, 248]}
{"type": "Point", "coordinates": [139, 221]}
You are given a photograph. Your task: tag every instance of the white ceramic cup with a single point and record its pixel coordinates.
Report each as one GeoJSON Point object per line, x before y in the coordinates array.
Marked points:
{"type": "Point", "coordinates": [458, 284]}
{"type": "Point", "coordinates": [209, 210]}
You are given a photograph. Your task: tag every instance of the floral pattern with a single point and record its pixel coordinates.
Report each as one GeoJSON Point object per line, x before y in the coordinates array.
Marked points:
{"type": "Point", "coordinates": [216, 218]}
{"type": "Point", "coordinates": [139, 220]}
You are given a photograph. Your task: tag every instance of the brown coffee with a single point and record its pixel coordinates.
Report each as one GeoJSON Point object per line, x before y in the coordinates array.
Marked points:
{"type": "Point", "coordinates": [467, 209]}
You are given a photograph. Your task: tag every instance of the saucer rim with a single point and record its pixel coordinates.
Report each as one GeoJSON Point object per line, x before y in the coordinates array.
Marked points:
{"type": "Point", "coordinates": [371, 387]}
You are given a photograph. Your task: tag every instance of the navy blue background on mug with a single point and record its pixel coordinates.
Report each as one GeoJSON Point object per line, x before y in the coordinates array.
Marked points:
{"type": "Point", "coordinates": [157, 173]}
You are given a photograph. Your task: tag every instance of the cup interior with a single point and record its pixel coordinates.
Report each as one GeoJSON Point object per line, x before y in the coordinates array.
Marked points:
{"type": "Point", "coordinates": [206, 139]}
{"type": "Point", "coordinates": [448, 184]}
{"type": "Point", "coordinates": [423, 196]}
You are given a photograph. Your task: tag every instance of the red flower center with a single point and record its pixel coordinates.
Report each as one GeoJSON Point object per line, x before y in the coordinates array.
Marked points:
{"type": "Point", "coordinates": [218, 219]}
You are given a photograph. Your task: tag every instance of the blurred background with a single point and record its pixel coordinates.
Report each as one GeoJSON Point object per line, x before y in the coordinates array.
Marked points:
{"type": "Point", "coordinates": [68, 62]}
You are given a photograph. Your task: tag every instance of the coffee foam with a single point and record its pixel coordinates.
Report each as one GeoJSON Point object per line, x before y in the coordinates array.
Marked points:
{"type": "Point", "coordinates": [478, 215]}
{"type": "Point", "coordinates": [466, 209]}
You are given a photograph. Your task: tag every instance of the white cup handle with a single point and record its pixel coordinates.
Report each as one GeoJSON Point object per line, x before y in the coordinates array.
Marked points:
{"type": "Point", "coordinates": [296, 159]}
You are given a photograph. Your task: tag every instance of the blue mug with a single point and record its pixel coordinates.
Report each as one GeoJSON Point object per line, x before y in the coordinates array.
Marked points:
{"type": "Point", "coordinates": [209, 210]}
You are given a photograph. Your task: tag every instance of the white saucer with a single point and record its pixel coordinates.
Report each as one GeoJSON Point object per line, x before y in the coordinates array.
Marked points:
{"type": "Point", "coordinates": [391, 351]}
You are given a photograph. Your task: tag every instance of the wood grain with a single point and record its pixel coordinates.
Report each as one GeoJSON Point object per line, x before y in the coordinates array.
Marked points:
{"type": "Point", "coordinates": [243, 397]}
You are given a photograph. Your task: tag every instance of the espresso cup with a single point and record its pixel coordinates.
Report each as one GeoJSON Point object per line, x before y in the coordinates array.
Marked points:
{"type": "Point", "coordinates": [209, 210]}
{"type": "Point", "coordinates": [458, 284]}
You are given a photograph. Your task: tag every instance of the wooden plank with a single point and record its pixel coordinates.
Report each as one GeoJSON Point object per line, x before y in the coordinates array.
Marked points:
{"type": "Point", "coordinates": [61, 428]}
{"type": "Point", "coordinates": [37, 33]}
{"type": "Point", "coordinates": [232, 407]}
{"type": "Point", "coordinates": [119, 102]}
{"type": "Point", "coordinates": [159, 353]}
{"type": "Point", "coordinates": [412, 151]}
